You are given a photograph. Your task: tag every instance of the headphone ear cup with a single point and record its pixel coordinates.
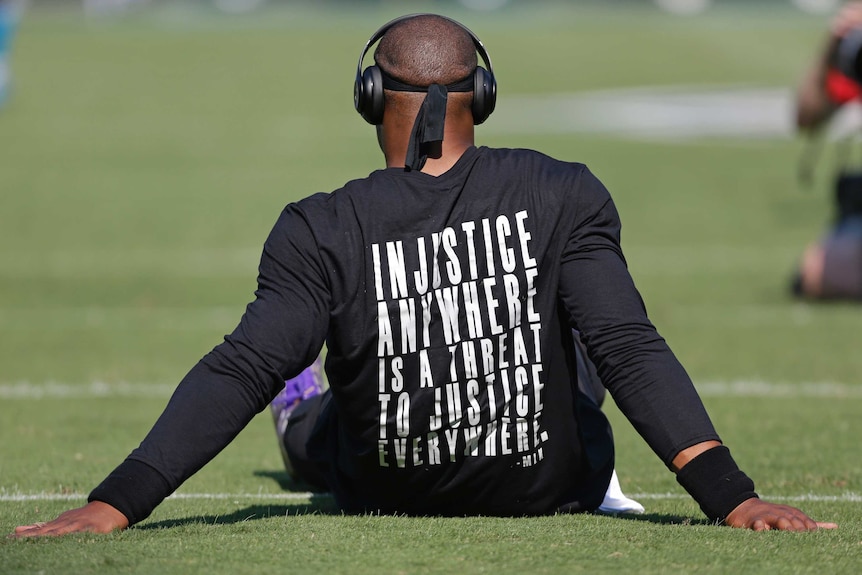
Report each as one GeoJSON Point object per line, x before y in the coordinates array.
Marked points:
{"type": "Point", "coordinates": [484, 95]}
{"type": "Point", "coordinates": [368, 95]}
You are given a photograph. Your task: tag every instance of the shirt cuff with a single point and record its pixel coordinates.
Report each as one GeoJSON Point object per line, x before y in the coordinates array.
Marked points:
{"type": "Point", "coordinates": [134, 489]}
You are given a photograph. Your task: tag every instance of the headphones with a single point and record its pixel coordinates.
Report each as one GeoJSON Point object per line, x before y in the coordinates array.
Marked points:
{"type": "Point", "coordinates": [368, 88]}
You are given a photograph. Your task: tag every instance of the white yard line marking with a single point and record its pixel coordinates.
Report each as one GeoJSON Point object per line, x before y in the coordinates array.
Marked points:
{"type": "Point", "coordinates": [843, 498]}
{"type": "Point", "coordinates": [130, 263]}
{"type": "Point", "coordinates": [759, 388]}
{"type": "Point", "coordinates": [119, 318]}
{"type": "Point", "coordinates": [60, 390]}
{"type": "Point", "coordinates": [666, 113]}
{"type": "Point", "coordinates": [16, 497]}
{"type": "Point", "coordinates": [26, 390]}
{"type": "Point", "coordinates": [672, 113]}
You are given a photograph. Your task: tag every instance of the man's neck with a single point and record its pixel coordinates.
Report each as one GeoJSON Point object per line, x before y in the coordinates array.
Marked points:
{"type": "Point", "coordinates": [441, 165]}
{"type": "Point", "coordinates": [455, 143]}
{"type": "Point", "coordinates": [394, 135]}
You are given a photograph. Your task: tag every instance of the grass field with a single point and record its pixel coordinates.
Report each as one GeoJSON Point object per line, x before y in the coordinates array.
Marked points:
{"type": "Point", "coordinates": [143, 161]}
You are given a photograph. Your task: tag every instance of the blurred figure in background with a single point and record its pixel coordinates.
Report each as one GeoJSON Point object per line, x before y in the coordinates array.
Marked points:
{"type": "Point", "coordinates": [8, 19]}
{"type": "Point", "coordinates": [831, 267]}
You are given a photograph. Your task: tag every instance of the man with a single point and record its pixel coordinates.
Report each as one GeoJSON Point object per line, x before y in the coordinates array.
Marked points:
{"type": "Point", "coordinates": [446, 287]}
{"type": "Point", "coordinates": [831, 267]}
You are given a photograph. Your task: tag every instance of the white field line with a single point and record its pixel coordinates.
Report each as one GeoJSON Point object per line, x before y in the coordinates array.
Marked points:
{"type": "Point", "coordinates": [223, 319]}
{"type": "Point", "coordinates": [759, 388]}
{"type": "Point", "coordinates": [849, 497]}
{"type": "Point", "coordinates": [95, 389]}
{"type": "Point", "coordinates": [18, 497]}
{"type": "Point", "coordinates": [26, 390]}
{"type": "Point", "coordinates": [130, 263]}
{"type": "Point", "coordinates": [669, 113]}
{"type": "Point", "coordinates": [672, 113]}
{"type": "Point", "coordinates": [119, 319]}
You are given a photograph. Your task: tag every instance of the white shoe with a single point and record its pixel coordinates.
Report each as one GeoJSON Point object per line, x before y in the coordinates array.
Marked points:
{"type": "Point", "coordinates": [616, 502]}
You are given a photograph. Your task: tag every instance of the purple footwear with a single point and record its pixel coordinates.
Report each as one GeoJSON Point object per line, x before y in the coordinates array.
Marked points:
{"type": "Point", "coordinates": [304, 386]}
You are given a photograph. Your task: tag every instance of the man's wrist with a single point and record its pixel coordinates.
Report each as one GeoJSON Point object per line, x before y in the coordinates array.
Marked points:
{"type": "Point", "coordinates": [134, 489]}
{"type": "Point", "coordinates": [715, 481]}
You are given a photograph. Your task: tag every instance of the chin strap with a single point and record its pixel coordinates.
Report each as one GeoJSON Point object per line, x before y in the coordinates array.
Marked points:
{"type": "Point", "coordinates": [428, 127]}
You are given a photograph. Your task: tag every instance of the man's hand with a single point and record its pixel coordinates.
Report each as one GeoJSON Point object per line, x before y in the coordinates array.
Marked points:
{"type": "Point", "coordinates": [760, 515]}
{"type": "Point", "coordinates": [94, 517]}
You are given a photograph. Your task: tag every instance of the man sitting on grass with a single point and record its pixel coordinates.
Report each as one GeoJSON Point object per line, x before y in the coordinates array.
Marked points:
{"type": "Point", "coordinates": [446, 288]}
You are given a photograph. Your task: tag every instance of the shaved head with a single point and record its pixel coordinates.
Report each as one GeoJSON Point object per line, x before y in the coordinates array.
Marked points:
{"type": "Point", "coordinates": [418, 125]}
{"type": "Point", "coordinates": [426, 49]}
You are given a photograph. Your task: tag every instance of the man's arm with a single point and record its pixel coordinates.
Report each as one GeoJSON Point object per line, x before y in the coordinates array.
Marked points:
{"type": "Point", "coordinates": [281, 332]}
{"type": "Point", "coordinates": [645, 378]}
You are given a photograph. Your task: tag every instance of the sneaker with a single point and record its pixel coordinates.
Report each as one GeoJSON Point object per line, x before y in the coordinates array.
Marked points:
{"type": "Point", "coordinates": [304, 386]}
{"type": "Point", "coordinates": [616, 502]}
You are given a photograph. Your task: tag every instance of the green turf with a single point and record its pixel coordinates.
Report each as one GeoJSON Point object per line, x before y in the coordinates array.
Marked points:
{"type": "Point", "coordinates": [143, 161]}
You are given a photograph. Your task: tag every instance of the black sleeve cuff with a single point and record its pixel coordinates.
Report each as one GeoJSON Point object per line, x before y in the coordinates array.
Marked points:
{"type": "Point", "coordinates": [715, 481]}
{"type": "Point", "coordinates": [133, 488]}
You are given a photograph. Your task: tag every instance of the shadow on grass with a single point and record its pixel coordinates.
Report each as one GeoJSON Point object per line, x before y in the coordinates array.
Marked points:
{"type": "Point", "coordinates": [285, 481]}
{"type": "Point", "coordinates": [319, 505]}
{"type": "Point", "coordinates": [322, 503]}
{"type": "Point", "coordinates": [325, 505]}
{"type": "Point", "coordinates": [659, 518]}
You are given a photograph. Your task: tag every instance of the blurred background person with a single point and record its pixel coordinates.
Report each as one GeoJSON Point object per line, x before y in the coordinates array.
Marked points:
{"type": "Point", "coordinates": [8, 19]}
{"type": "Point", "coordinates": [831, 267]}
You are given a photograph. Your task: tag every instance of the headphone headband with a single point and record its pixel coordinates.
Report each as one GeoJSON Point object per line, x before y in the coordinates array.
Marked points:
{"type": "Point", "coordinates": [480, 47]}
{"type": "Point", "coordinates": [368, 98]}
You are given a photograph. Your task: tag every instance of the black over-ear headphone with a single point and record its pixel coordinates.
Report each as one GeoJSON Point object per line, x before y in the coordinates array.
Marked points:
{"type": "Point", "coordinates": [368, 88]}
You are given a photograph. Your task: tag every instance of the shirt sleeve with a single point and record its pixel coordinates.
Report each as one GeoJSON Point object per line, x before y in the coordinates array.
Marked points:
{"type": "Point", "coordinates": [281, 332]}
{"type": "Point", "coordinates": [633, 361]}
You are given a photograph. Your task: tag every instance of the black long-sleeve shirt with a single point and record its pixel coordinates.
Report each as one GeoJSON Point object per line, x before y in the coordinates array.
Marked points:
{"type": "Point", "coordinates": [446, 305]}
